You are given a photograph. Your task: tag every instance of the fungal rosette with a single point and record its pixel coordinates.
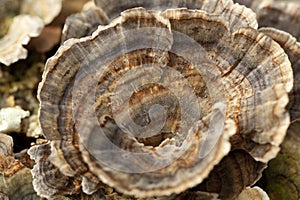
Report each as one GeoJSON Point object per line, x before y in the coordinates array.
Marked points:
{"type": "Point", "coordinates": [151, 102]}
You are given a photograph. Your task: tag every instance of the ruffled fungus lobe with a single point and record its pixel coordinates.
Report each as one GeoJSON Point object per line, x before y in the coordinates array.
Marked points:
{"type": "Point", "coordinates": [148, 103]}
{"type": "Point", "coordinates": [105, 11]}
{"type": "Point", "coordinates": [280, 21]}
{"type": "Point", "coordinates": [283, 15]}
{"type": "Point", "coordinates": [15, 178]}
{"type": "Point", "coordinates": [22, 28]}
{"type": "Point", "coordinates": [255, 5]}
{"type": "Point", "coordinates": [11, 119]}
{"type": "Point", "coordinates": [253, 193]}
{"type": "Point", "coordinates": [83, 24]}
{"type": "Point", "coordinates": [23, 20]}
{"type": "Point", "coordinates": [229, 178]}
{"type": "Point", "coordinates": [51, 185]}
{"type": "Point", "coordinates": [292, 47]}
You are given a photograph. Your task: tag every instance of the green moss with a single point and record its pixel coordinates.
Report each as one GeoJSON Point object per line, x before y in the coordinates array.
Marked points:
{"type": "Point", "coordinates": [280, 188]}
{"type": "Point", "coordinates": [282, 177]}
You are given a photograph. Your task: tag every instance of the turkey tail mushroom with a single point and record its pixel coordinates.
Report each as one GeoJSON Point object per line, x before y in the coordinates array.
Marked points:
{"type": "Point", "coordinates": [255, 5]}
{"type": "Point", "coordinates": [253, 193]}
{"type": "Point", "coordinates": [106, 11]}
{"type": "Point", "coordinates": [282, 15]}
{"type": "Point", "coordinates": [150, 103]}
{"type": "Point", "coordinates": [292, 48]}
{"type": "Point", "coordinates": [232, 175]}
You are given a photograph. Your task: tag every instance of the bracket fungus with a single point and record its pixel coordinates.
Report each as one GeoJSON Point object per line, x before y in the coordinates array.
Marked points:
{"type": "Point", "coordinates": [292, 47]}
{"type": "Point", "coordinates": [21, 20]}
{"type": "Point", "coordinates": [229, 178]}
{"type": "Point", "coordinates": [161, 100]}
{"type": "Point", "coordinates": [255, 5]}
{"type": "Point", "coordinates": [253, 193]}
{"type": "Point", "coordinates": [282, 15]}
{"type": "Point", "coordinates": [280, 21]}
{"type": "Point", "coordinates": [11, 118]}
{"type": "Point", "coordinates": [105, 11]}
{"type": "Point", "coordinates": [15, 177]}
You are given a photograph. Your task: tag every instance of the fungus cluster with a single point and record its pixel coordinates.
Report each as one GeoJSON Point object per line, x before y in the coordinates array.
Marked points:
{"type": "Point", "coordinates": [167, 100]}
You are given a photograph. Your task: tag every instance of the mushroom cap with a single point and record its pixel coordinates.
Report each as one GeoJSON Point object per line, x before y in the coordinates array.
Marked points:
{"type": "Point", "coordinates": [148, 103]}
{"type": "Point", "coordinates": [292, 47]}
{"type": "Point", "coordinates": [255, 5]}
{"type": "Point", "coordinates": [83, 24]}
{"type": "Point", "coordinates": [113, 8]}
{"type": "Point", "coordinates": [6, 145]}
{"type": "Point", "coordinates": [15, 178]}
{"type": "Point", "coordinates": [29, 20]}
{"type": "Point", "coordinates": [283, 15]}
{"type": "Point", "coordinates": [11, 118]}
{"type": "Point", "coordinates": [280, 20]}
{"type": "Point", "coordinates": [105, 11]}
{"type": "Point", "coordinates": [147, 20]}
{"type": "Point", "coordinates": [47, 10]}
{"type": "Point", "coordinates": [23, 27]}
{"type": "Point", "coordinates": [253, 193]}
{"type": "Point", "coordinates": [229, 178]}
{"type": "Point", "coordinates": [44, 174]}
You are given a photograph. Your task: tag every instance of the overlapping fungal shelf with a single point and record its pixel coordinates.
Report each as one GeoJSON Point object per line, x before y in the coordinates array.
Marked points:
{"type": "Point", "coordinates": [185, 99]}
